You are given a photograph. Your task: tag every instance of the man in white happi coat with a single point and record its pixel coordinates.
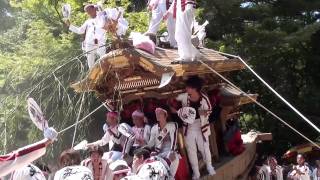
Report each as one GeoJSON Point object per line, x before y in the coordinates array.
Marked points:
{"type": "Point", "coordinates": [96, 164]}
{"type": "Point", "coordinates": [145, 167]}
{"type": "Point", "coordinates": [300, 171]}
{"type": "Point", "coordinates": [24, 156]}
{"type": "Point", "coordinates": [183, 11]}
{"type": "Point", "coordinates": [29, 172]}
{"type": "Point", "coordinates": [164, 139]}
{"type": "Point", "coordinates": [141, 129]}
{"type": "Point", "coordinates": [94, 42]}
{"type": "Point", "coordinates": [196, 134]}
{"type": "Point", "coordinates": [159, 9]}
{"type": "Point", "coordinates": [119, 136]}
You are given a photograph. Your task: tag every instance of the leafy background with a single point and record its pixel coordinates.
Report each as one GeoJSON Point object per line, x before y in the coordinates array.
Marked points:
{"type": "Point", "coordinates": [279, 38]}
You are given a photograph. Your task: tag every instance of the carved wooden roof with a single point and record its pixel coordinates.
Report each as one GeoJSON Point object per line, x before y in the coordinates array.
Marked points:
{"type": "Point", "coordinates": [131, 69]}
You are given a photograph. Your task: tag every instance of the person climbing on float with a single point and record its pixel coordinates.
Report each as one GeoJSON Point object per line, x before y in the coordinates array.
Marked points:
{"type": "Point", "coordinates": [183, 11]}
{"type": "Point", "coordinates": [196, 129]}
{"type": "Point", "coordinates": [141, 130]}
{"type": "Point", "coordinates": [158, 9]}
{"type": "Point", "coordinates": [119, 136]}
{"type": "Point", "coordinates": [96, 164]}
{"type": "Point", "coordinates": [70, 168]}
{"type": "Point", "coordinates": [164, 139]}
{"type": "Point", "coordinates": [94, 42]}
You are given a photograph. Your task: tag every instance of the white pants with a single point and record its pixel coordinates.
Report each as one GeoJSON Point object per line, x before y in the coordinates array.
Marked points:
{"type": "Point", "coordinates": [184, 24]}
{"type": "Point", "coordinates": [93, 51]}
{"type": "Point", "coordinates": [156, 19]}
{"type": "Point", "coordinates": [194, 140]}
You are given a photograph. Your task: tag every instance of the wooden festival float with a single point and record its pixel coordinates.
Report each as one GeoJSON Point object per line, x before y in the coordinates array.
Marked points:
{"type": "Point", "coordinates": [129, 78]}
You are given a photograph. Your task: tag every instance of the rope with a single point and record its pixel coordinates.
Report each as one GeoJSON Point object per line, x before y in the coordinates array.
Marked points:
{"type": "Point", "coordinates": [69, 61]}
{"type": "Point", "coordinates": [78, 117]}
{"type": "Point", "coordinates": [258, 103]}
{"type": "Point", "coordinates": [275, 92]}
{"type": "Point", "coordinates": [84, 118]}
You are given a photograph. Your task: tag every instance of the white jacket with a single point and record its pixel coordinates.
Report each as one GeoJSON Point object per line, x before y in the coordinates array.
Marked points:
{"type": "Point", "coordinates": [184, 98]}
{"type": "Point", "coordinates": [165, 140]}
{"type": "Point", "coordinates": [93, 29]}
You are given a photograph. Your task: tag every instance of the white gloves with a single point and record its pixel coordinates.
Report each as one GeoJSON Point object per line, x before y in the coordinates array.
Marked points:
{"type": "Point", "coordinates": [50, 133]}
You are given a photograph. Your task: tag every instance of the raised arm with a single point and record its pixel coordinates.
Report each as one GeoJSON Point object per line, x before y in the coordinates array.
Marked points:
{"type": "Point", "coordinates": [79, 30]}
{"type": "Point", "coordinates": [103, 141]}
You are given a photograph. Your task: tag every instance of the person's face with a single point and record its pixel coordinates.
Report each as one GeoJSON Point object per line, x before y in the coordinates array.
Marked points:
{"type": "Point", "coordinates": [112, 120]}
{"type": "Point", "coordinates": [65, 161]}
{"type": "Point", "coordinates": [300, 160]}
{"type": "Point", "coordinates": [136, 163]}
{"type": "Point", "coordinates": [191, 91]}
{"type": "Point", "coordinates": [161, 116]}
{"type": "Point", "coordinates": [95, 157]}
{"type": "Point", "coordinates": [137, 121]}
{"type": "Point", "coordinates": [91, 11]}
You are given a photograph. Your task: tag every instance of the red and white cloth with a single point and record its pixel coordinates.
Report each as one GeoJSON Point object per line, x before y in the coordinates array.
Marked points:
{"type": "Point", "coordinates": [21, 157]}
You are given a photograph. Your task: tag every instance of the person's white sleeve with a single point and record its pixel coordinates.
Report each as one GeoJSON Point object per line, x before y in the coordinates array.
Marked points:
{"type": "Point", "coordinates": [152, 140]}
{"type": "Point", "coordinates": [171, 8]}
{"type": "Point", "coordinates": [146, 133]}
{"type": "Point", "coordinates": [180, 97]}
{"type": "Point", "coordinates": [173, 132]}
{"type": "Point", "coordinates": [21, 157]}
{"type": "Point", "coordinates": [78, 30]}
{"type": "Point", "coordinates": [103, 141]}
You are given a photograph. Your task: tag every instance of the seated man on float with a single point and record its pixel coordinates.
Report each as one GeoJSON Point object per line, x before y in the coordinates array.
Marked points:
{"type": "Point", "coordinates": [69, 163]}
{"type": "Point", "coordinates": [119, 136]}
{"type": "Point", "coordinates": [147, 167]}
{"type": "Point", "coordinates": [96, 164]}
{"type": "Point", "coordinates": [141, 130]}
{"type": "Point", "coordinates": [164, 139]}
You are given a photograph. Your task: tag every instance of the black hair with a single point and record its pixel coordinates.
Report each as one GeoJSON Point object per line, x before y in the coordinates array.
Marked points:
{"type": "Point", "coordinates": [72, 156]}
{"type": "Point", "coordinates": [98, 149]}
{"type": "Point", "coordinates": [142, 152]}
{"type": "Point", "coordinates": [194, 82]}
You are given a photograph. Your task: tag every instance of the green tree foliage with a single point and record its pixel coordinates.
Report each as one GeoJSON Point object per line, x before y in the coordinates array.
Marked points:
{"type": "Point", "coordinates": [279, 38]}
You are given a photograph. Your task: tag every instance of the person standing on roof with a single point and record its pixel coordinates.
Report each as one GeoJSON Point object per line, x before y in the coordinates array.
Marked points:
{"type": "Point", "coordinates": [183, 11]}
{"type": "Point", "coordinates": [196, 132]}
{"type": "Point", "coordinates": [94, 42]}
{"type": "Point", "coordinates": [158, 9]}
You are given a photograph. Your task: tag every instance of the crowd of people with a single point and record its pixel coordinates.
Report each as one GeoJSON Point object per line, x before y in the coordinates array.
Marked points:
{"type": "Point", "coordinates": [134, 152]}
{"type": "Point", "coordinates": [182, 28]}
{"type": "Point", "coordinates": [271, 170]}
